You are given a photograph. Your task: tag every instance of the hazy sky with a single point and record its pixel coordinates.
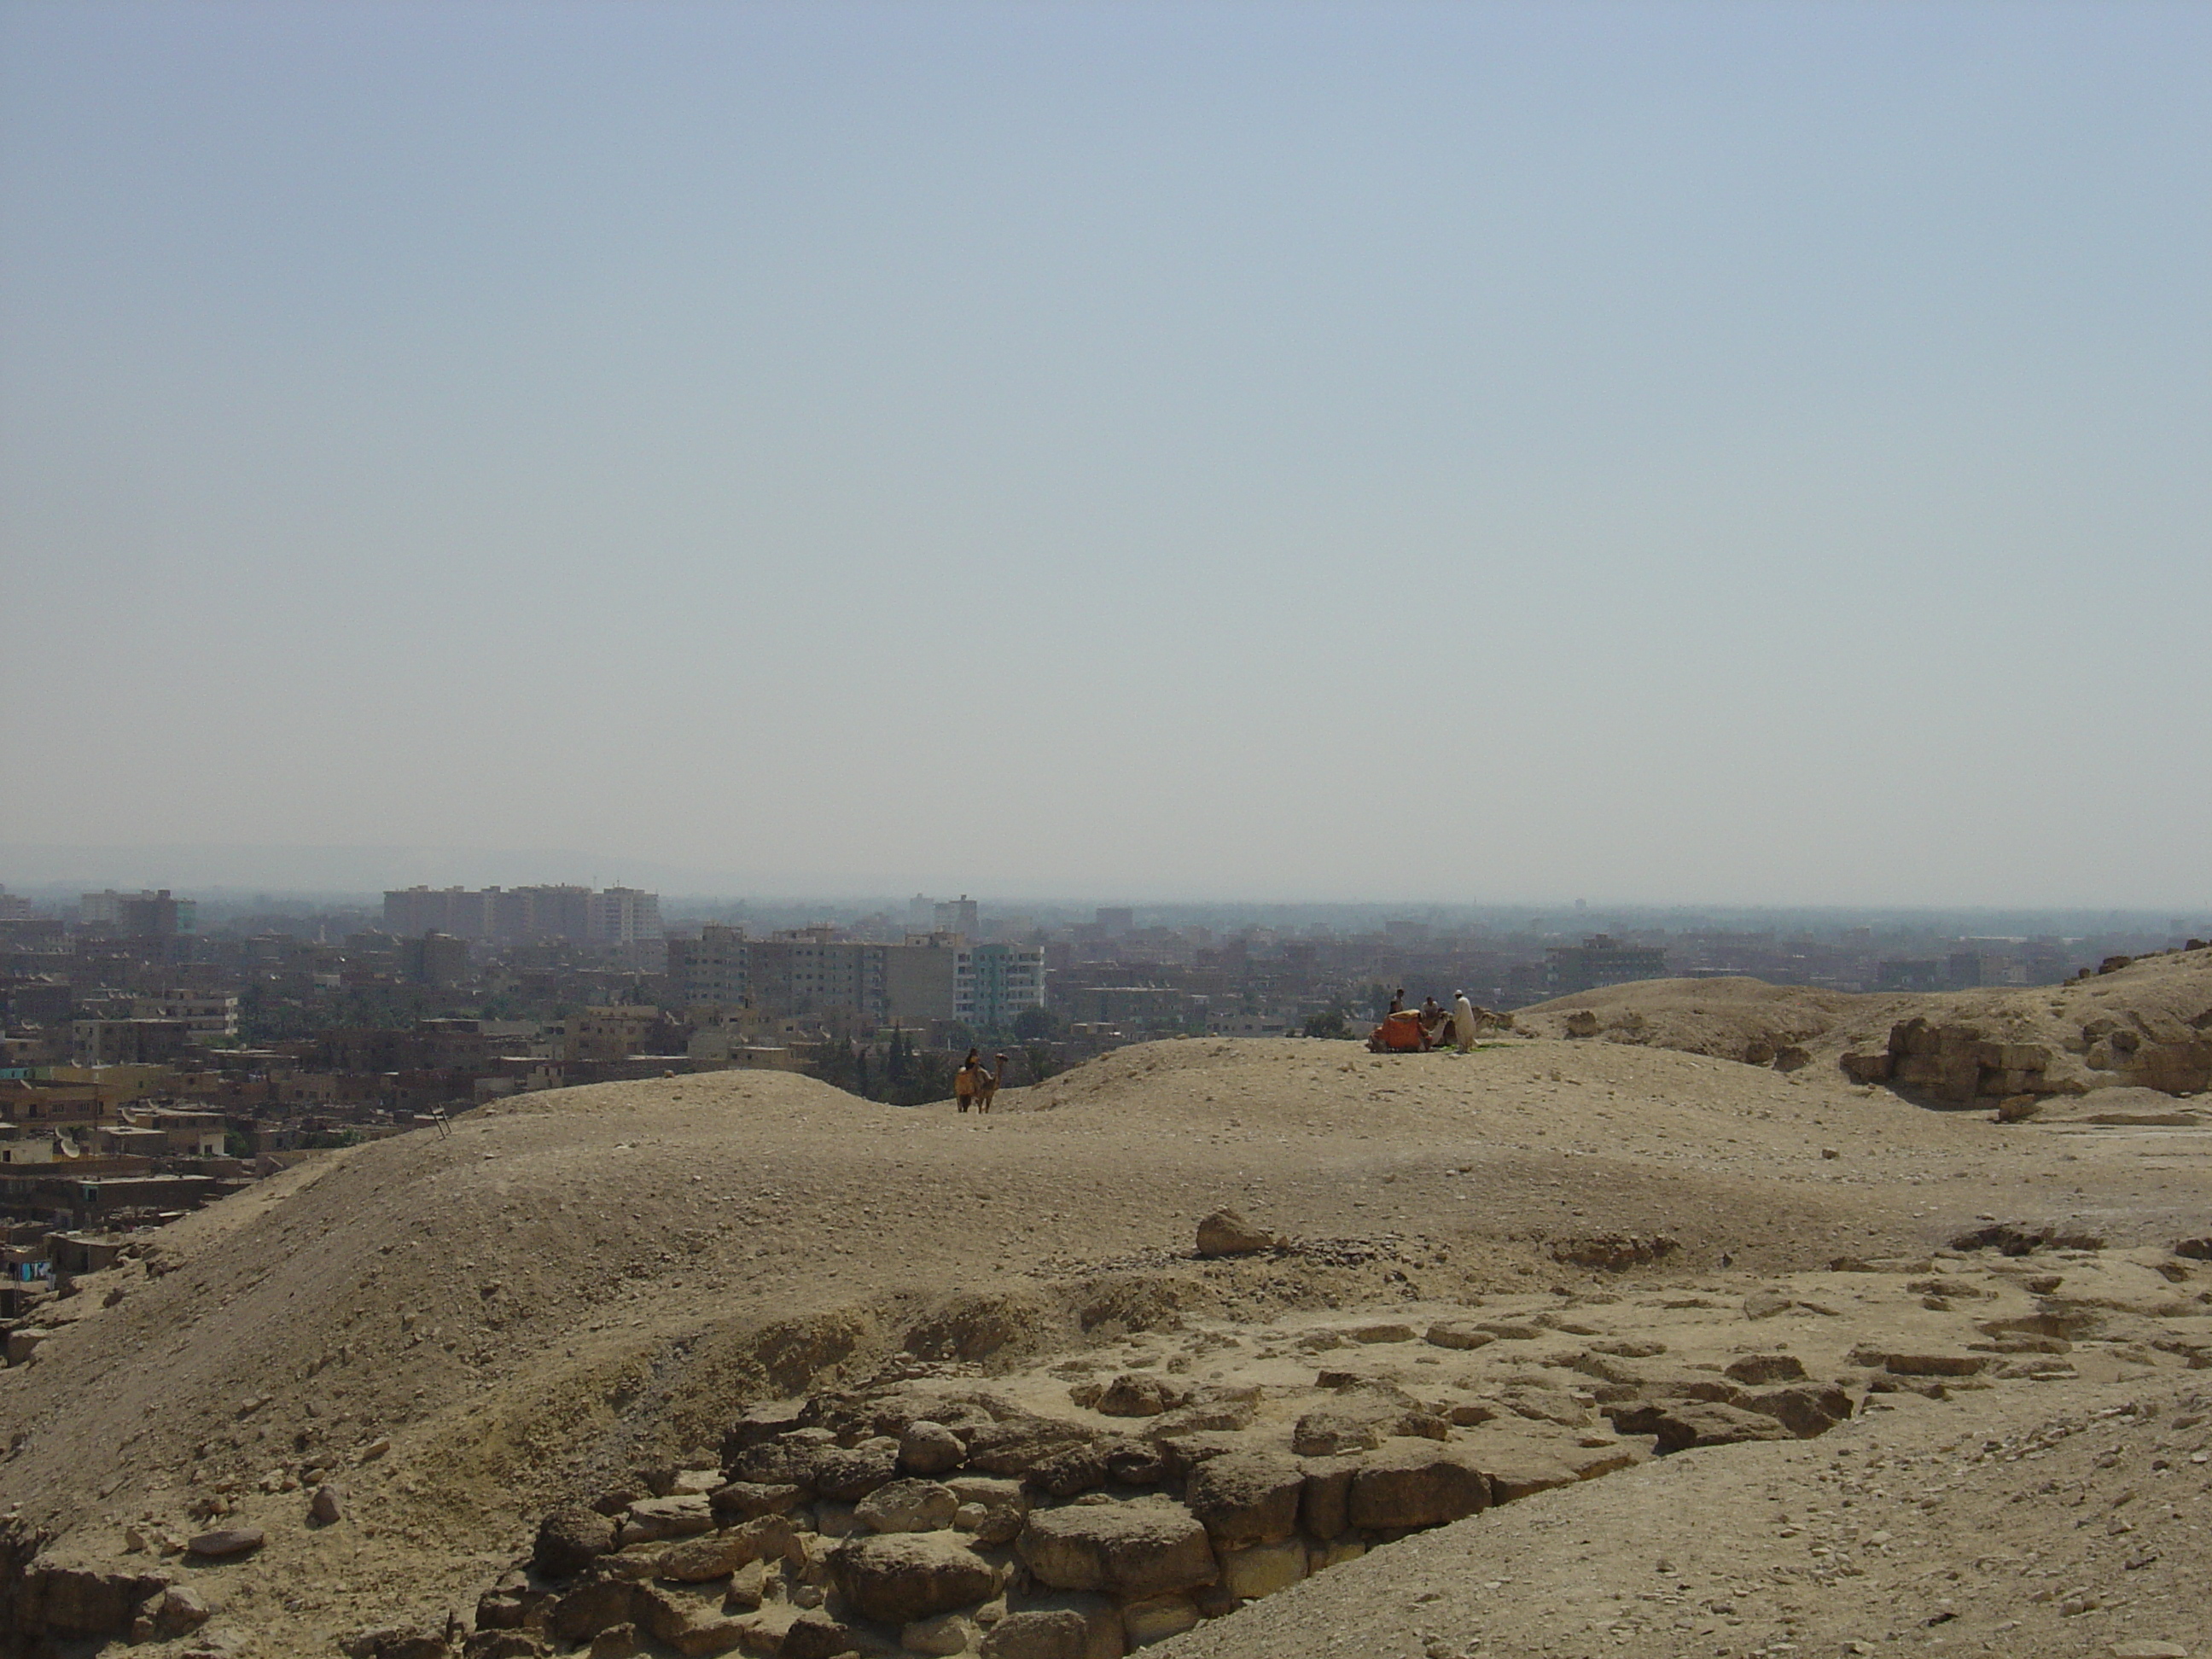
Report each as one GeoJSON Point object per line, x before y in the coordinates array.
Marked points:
{"type": "Point", "coordinates": [1673, 452]}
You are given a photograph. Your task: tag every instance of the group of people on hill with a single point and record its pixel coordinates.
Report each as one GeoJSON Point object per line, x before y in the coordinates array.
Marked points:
{"type": "Point", "coordinates": [1409, 1030]}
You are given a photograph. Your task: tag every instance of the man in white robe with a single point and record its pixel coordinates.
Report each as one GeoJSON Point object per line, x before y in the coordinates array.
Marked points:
{"type": "Point", "coordinates": [1463, 1021]}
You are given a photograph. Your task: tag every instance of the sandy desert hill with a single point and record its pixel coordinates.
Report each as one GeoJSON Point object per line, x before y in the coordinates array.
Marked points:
{"type": "Point", "coordinates": [2156, 1003]}
{"type": "Point", "coordinates": [466, 1332]}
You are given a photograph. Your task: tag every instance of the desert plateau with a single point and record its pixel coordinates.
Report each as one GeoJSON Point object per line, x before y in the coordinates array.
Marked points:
{"type": "Point", "coordinates": [1682, 1318]}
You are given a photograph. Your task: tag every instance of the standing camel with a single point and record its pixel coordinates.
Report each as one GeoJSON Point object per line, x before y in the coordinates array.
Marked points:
{"type": "Point", "coordinates": [987, 1084]}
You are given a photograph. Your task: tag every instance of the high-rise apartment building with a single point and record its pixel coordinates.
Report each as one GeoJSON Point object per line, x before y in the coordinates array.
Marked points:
{"type": "Point", "coordinates": [622, 917]}
{"type": "Point", "coordinates": [140, 916]}
{"type": "Point", "coordinates": [1600, 960]}
{"type": "Point", "coordinates": [992, 983]}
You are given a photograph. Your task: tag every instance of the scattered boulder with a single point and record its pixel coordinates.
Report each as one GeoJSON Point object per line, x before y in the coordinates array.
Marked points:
{"type": "Point", "coordinates": [943, 1633]}
{"type": "Point", "coordinates": [743, 1499]}
{"type": "Point", "coordinates": [701, 1560]}
{"type": "Point", "coordinates": [1676, 1425]}
{"type": "Point", "coordinates": [1805, 1411]}
{"type": "Point", "coordinates": [849, 1473]}
{"type": "Point", "coordinates": [171, 1614]}
{"type": "Point", "coordinates": [396, 1642]}
{"type": "Point", "coordinates": [1391, 1331]}
{"type": "Point", "coordinates": [1361, 1418]}
{"type": "Point", "coordinates": [1867, 1068]}
{"type": "Point", "coordinates": [1613, 1252]}
{"type": "Point", "coordinates": [907, 1506]}
{"type": "Point", "coordinates": [1757, 1367]}
{"type": "Point", "coordinates": [227, 1542]}
{"type": "Point", "coordinates": [590, 1607]}
{"type": "Point", "coordinates": [815, 1635]}
{"type": "Point", "coordinates": [1015, 1445]}
{"type": "Point", "coordinates": [928, 1447]}
{"type": "Point", "coordinates": [1458, 1334]}
{"type": "Point", "coordinates": [1142, 1394]}
{"type": "Point", "coordinates": [1919, 1364]}
{"type": "Point", "coordinates": [1225, 1232]}
{"type": "Point", "coordinates": [993, 1511]}
{"type": "Point", "coordinates": [328, 1507]}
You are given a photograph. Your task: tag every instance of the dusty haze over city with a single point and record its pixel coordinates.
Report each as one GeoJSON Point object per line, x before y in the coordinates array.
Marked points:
{"type": "Point", "coordinates": [1703, 453]}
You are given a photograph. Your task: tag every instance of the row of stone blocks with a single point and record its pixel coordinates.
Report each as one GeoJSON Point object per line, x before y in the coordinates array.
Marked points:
{"type": "Point", "coordinates": [926, 1561]}
{"type": "Point", "coordinates": [869, 1529]}
{"type": "Point", "coordinates": [1954, 1062]}
{"type": "Point", "coordinates": [857, 1523]}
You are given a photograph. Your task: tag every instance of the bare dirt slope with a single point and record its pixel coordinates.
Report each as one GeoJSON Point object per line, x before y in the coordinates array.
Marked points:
{"type": "Point", "coordinates": [466, 1330]}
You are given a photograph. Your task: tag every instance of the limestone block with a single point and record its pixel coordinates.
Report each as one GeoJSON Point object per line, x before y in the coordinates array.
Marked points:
{"type": "Point", "coordinates": [945, 1634]}
{"type": "Point", "coordinates": [1458, 1334]}
{"type": "Point", "coordinates": [1335, 1552]}
{"type": "Point", "coordinates": [1098, 1620]}
{"type": "Point", "coordinates": [1524, 1474]}
{"type": "Point", "coordinates": [1391, 1331]}
{"type": "Point", "coordinates": [699, 1560]}
{"type": "Point", "coordinates": [1041, 1634]}
{"type": "Point", "coordinates": [929, 1448]}
{"type": "Point", "coordinates": [689, 1622]}
{"type": "Point", "coordinates": [1157, 1618]}
{"type": "Point", "coordinates": [1676, 1424]}
{"type": "Point", "coordinates": [815, 1635]}
{"type": "Point", "coordinates": [1142, 1394]}
{"type": "Point", "coordinates": [1225, 1232]}
{"type": "Point", "coordinates": [1263, 1569]}
{"type": "Point", "coordinates": [1868, 1068]}
{"type": "Point", "coordinates": [992, 1509]}
{"type": "Point", "coordinates": [595, 1605]}
{"type": "Point", "coordinates": [1325, 1500]}
{"type": "Point", "coordinates": [570, 1540]}
{"type": "Point", "coordinates": [1141, 1547]}
{"type": "Point", "coordinates": [653, 1518]}
{"type": "Point", "coordinates": [1015, 1446]}
{"type": "Point", "coordinates": [1246, 1498]}
{"type": "Point", "coordinates": [1417, 1485]}
{"type": "Point", "coordinates": [741, 1500]}
{"type": "Point", "coordinates": [1758, 1368]}
{"type": "Point", "coordinates": [75, 1601]}
{"type": "Point", "coordinates": [907, 1506]}
{"type": "Point", "coordinates": [849, 1474]}
{"type": "Point", "coordinates": [900, 1578]}
{"type": "Point", "coordinates": [1806, 1409]}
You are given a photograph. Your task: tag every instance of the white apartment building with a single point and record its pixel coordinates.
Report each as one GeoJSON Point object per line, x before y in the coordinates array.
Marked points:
{"type": "Point", "coordinates": [212, 1015]}
{"type": "Point", "coordinates": [992, 983]}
